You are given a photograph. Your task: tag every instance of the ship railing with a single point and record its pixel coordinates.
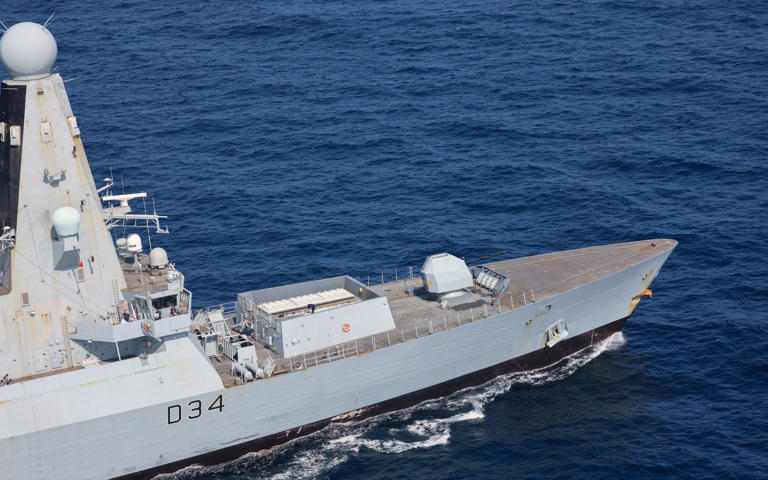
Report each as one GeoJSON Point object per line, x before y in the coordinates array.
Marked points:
{"type": "Point", "coordinates": [227, 308]}
{"type": "Point", "coordinates": [411, 276]}
{"type": "Point", "coordinates": [406, 330]}
{"type": "Point", "coordinates": [387, 275]}
{"type": "Point", "coordinates": [511, 300]}
{"type": "Point", "coordinates": [520, 298]}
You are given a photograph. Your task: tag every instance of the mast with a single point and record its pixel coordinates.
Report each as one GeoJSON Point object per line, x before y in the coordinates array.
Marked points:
{"type": "Point", "coordinates": [58, 266]}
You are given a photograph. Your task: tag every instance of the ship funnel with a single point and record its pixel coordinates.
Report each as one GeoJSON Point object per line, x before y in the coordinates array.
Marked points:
{"type": "Point", "coordinates": [28, 51]}
{"type": "Point", "coordinates": [66, 221]}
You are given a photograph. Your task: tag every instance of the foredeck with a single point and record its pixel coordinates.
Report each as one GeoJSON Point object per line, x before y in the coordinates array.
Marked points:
{"type": "Point", "coordinates": [408, 305]}
{"type": "Point", "coordinates": [554, 273]}
{"type": "Point", "coordinates": [533, 279]}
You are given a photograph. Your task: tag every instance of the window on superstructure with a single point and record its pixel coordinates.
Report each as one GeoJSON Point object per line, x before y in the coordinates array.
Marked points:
{"type": "Point", "coordinates": [164, 302]}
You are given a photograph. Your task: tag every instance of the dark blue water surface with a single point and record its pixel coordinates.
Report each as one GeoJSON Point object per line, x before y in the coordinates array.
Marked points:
{"type": "Point", "coordinates": [294, 140]}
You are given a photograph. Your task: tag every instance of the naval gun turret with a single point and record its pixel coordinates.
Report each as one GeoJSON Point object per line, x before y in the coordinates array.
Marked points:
{"type": "Point", "coordinates": [444, 274]}
{"type": "Point", "coordinates": [447, 278]}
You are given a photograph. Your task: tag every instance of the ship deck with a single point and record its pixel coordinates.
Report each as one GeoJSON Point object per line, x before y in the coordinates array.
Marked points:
{"type": "Point", "coordinates": [533, 279]}
{"type": "Point", "coordinates": [139, 278]}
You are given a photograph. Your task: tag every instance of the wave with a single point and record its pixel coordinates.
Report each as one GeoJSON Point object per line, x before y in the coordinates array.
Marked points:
{"type": "Point", "coordinates": [390, 433]}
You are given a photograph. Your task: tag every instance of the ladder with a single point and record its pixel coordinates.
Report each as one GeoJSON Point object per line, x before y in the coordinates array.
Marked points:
{"type": "Point", "coordinates": [67, 344]}
{"type": "Point", "coordinates": [116, 295]}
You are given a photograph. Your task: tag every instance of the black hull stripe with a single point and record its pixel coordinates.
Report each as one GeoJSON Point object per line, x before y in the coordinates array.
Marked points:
{"type": "Point", "coordinates": [538, 359]}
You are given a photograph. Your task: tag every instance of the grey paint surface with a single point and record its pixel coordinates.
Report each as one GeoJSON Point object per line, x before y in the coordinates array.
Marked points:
{"type": "Point", "coordinates": [324, 391]}
{"type": "Point", "coordinates": [54, 316]}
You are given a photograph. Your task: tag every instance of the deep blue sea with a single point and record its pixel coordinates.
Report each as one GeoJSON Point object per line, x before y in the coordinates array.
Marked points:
{"type": "Point", "coordinates": [294, 140]}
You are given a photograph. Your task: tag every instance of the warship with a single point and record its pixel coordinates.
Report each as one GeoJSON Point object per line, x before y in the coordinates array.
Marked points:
{"type": "Point", "coordinates": [108, 372]}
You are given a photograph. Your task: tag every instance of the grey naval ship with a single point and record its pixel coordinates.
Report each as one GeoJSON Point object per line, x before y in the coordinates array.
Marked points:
{"type": "Point", "coordinates": [106, 370]}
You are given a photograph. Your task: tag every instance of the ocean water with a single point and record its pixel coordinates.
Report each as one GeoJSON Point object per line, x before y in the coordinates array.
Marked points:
{"type": "Point", "coordinates": [294, 140]}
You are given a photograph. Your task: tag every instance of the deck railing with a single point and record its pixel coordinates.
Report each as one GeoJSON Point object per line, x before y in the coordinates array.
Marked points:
{"type": "Point", "coordinates": [387, 275]}
{"type": "Point", "coordinates": [411, 276]}
{"type": "Point", "coordinates": [227, 308]}
{"type": "Point", "coordinates": [522, 298]}
{"type": "Point", "coordinates": [408, 330]}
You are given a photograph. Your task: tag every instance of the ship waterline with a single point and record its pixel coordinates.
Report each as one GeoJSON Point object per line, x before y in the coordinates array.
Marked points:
{"type": "Point", "coordinates": [531, 361]}
{"type": "Point", "coordinates": [106, 371]}
{"type": "Point", "coordinates": [220, 423]}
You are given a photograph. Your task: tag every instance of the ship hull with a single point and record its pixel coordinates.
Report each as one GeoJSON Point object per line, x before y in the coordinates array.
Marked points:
{"type": "Point", "coordinates": [214, 425]}
{"type": "Point", "coordinates": [93, 397]}
{"type": "Point", "coordinates": [541, 358]}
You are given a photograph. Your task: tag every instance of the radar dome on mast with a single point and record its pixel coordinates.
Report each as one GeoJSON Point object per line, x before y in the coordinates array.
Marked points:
{"type": "Point", "coordinates": [158, 258]}
{"type": "Point", "coordinates": [66, 221]}
{"type": "Point", "coordinates": [28, 51]}
{"type": "Point", "coordinates": [133, 243]}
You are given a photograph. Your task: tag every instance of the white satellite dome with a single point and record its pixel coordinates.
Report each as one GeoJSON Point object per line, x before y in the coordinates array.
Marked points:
{"type": "Point", "coordinates": [133, 243]}
{"type": "Point", "coordinates": [28, 51]}
{"type": "Point", "coordinates": [66, 221]}
{"type": "Point", "coordinates": [158, 258]}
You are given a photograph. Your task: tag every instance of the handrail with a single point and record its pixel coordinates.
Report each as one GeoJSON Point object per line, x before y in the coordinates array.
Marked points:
{"type": "Point", "coordinates": [413, 272]}
{"type": "Point", "coordinates": [227, 308]}
{"type": "Point", "coordinates": [413, 330]}
{"type": "Point", "coordinates": [417, 329]}
{"type": "Point", "coordinates": [389, 275]}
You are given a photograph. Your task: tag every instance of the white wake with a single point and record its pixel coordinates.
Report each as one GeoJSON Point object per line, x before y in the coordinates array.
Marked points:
{"type": "Point", "coordinates": [390, 433]}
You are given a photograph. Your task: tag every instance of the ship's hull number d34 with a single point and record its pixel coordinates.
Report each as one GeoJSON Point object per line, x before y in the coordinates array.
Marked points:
{"type": "Point", "coordinates": [193, 410]}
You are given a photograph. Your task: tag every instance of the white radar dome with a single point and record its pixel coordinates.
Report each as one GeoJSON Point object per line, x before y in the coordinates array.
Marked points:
{"type": "Point", "coordinates": [28, 51]}
{"type": "Point", "coordinates": [158, 258]}
{"type": "Point", "coordinates": [66, 221]}
{"type": "Point", "coordinates": [133, 243]}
